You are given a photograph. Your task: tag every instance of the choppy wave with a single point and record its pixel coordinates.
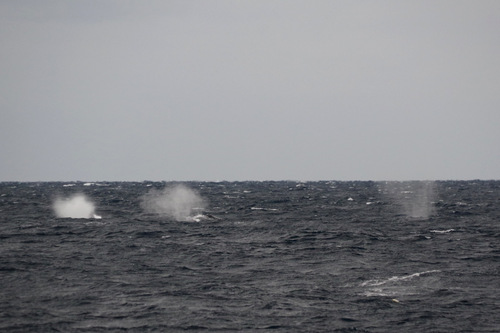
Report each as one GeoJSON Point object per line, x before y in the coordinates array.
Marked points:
{"type": "Point", "coordinates": [256, 256]}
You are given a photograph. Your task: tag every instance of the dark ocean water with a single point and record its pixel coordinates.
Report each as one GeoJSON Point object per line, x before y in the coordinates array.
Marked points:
{"type": "Point", "coordinates": [263, 256]}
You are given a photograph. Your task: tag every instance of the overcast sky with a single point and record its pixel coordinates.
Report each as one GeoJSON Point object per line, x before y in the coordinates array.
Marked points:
{"type": "Point", "coordinates": [249, 90]}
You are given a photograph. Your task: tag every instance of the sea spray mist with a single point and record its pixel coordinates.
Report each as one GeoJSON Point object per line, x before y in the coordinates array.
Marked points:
{"type": "Point", "coordinates": [178, 202]}
{"type": "Point", "coordinates": [77, 206]}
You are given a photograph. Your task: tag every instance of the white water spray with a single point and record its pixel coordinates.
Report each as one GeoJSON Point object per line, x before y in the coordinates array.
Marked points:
{"type": "Point", "coordinates": [179, 202]}
{"type": "Point", "coordinates": [416, 198]}
{"type": "Point", "coordinates": [420, 204]}
{"type": "Point", "coordinates": [76, 207]}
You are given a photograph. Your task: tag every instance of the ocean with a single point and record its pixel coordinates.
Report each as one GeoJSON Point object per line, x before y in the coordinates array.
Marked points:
{"type": "Point", "coordinates": [280, 256]}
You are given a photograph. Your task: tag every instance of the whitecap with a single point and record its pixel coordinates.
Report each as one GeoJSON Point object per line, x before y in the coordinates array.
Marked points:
{"type": "Point", "coordinates": [400, 285]}
{"type": "Point", "coordinates": [442, 231]}
{"type": "Point", "coordinates": [265, 209]}
{"type": "Point", "coordinates": [396, 278]}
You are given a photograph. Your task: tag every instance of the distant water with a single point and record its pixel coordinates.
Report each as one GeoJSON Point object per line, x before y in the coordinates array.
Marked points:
{"type": "Point", "coordinates": [251, 256]}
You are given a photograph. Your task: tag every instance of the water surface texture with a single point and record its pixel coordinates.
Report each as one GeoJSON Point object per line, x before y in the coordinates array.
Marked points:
{"type": "Point", "coordinates": [250, 257]}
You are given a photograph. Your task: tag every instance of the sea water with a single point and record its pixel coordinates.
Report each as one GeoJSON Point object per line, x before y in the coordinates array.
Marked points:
{"type": "Point", "coordinates": [250, 256]}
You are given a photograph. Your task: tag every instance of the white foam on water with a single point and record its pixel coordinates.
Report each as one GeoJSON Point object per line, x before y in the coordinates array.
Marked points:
{"type": "Point", "coordinates": [396, 285]}
{"type": "Point", "coordinates": [442, 231]}
{"type": "Point", "coordinates": [396, 278]}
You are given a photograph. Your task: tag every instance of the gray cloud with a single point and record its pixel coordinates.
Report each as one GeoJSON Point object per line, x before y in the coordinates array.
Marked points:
{"type": "Point", "coordinates": [120, 90]}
